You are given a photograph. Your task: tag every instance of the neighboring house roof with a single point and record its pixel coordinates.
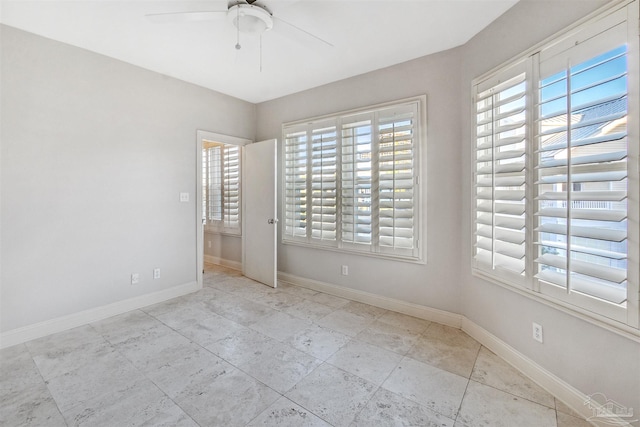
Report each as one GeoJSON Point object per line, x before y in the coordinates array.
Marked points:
{"type": "Point", "coordinates": [610, 108]}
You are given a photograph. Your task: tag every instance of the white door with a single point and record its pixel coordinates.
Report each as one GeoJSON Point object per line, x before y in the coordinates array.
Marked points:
{"type": "Point", "coordinates": [259, 244]}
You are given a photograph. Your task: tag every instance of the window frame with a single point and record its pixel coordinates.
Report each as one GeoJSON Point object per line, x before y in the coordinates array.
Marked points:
{"type": "Point", "coordinates": [622, 320]}
{"type": "Point", "coordinates": [337, 120]}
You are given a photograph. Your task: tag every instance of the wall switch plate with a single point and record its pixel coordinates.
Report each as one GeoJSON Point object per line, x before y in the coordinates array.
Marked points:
{"type": "Point", "coordinates": [184, 197]}
{"type": "Point", "coordinates": [135, 278]}
{"type": "Point", "coordinates": [156, 273]}
{"type": "Point", "coordinates": [345, 270]}
{"type": "Point", "coordinates": [537, 332]}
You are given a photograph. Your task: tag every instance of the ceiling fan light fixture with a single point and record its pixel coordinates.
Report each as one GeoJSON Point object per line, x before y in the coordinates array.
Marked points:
{"type": "Point", "coordinates": [250, 19]}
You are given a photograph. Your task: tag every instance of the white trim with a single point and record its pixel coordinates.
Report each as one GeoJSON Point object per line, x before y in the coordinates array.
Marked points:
{"type": "Point", "coordinates": [48, 327]}
{"type": "Point", "coordinates": [633, 191]}
{"type": "Point", "coordinates": [222, 231]}
{"type": "Point", "coordinates": [558, 37]}
{"type": "Point", "coordinates": [235, 265]}
{"type": "Point", "coordinates": [421, 99]}
{"type": "Point", "coordinates": [572, 397]}
{"type": "Point", "coordinates": [411, 309]}
{"type": "Point", "coordinates": [220, 137]}
{"type": "Point", "coordinates": [418, 254]}
{"type": "Point", "coordinates": [569, 395]}
{"type": "Point", "coordinates": [563, 391]}
{"type": "Point", "coordinates": [350, 250]}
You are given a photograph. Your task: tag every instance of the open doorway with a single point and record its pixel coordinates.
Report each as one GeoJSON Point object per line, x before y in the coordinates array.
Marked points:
{"type": "Point", "coordinates": [219, 200]}
{"type": "Point", "coordinates": [236, 206]}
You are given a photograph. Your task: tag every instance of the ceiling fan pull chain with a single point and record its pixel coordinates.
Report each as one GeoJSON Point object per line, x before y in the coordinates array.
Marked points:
{"type": "Point", "coordinates": [260, 52]}
{"type": "Point", "coordinates": [238, 47]}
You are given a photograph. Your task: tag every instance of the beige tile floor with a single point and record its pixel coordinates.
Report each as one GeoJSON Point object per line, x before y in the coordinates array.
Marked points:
{"type": "Point", "coordinates": [238, 353]}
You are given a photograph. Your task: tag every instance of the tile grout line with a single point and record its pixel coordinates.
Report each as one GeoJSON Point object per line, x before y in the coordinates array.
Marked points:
{"type": "Point", "coordinates": [285, 342]}
{"type": "Point", "coordinates": [475, 361]}
{"type": "Point", "coordinates": [45, 382]}
{"type": "Point", "coordinates": [281, 395]}
{"type": "Point", "coordinates": [354, 338]}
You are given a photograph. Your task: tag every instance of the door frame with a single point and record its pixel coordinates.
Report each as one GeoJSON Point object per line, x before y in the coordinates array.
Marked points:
{"type": "Point", "coordinates": [201, 136]}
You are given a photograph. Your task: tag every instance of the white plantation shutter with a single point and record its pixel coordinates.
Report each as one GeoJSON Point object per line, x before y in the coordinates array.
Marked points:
{"type": "Point", "coordinates": [357, 169]}
{"type": "Point", "coordinates": [212, 185]}
{"type": "Point", "coordinates": [311, 181]}
{"type": "Point", "coordinates": [295, 185]}
{"type": "Point", "coordinates": [396, 155]}
{"type": "Point", "coordinates": [231, 186]}
{"type": "Point", "coordinates": [556, 197]}
{"type": "Point", "coordinates": [221, 187]}
{"type": "Point", "coordinates": [500, 173]}
{"type": "Point", "coordinates": [358, 174]}
{"type": "Point", "coordinates": [581, 171]}
{"type": "Point", "coordinates": [324, 183]}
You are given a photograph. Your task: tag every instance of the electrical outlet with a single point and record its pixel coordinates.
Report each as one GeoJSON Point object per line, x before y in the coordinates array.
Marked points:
{"type": "Point", "coordinates": [537, 332]}
{"type": "Point", "coordinates": [184, 197]}
{"type": "Point", "coordinates": [345, 270]}
{"type": "Point", "coordinates": [156, 273]}
{"type": "Point", "coordinates": [135, 278]}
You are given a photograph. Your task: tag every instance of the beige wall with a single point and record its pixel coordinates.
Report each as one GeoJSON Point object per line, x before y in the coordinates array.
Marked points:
{"type": "Point", "coordinates": [94, 155]}
{"type": "Point", "coordinates": [436, 283]}
{"type": "Point", "coordinates": [224, 247]}
{"type": "Point", "coordinates": [586, 356]}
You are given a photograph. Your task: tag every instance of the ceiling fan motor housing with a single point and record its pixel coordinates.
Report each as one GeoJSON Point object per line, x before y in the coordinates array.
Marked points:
{"type": "Point", "coordinates": [250, 19]}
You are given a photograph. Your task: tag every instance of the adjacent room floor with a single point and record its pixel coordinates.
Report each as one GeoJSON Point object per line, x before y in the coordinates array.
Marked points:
{"type": "Point", "coordinates": [238, 353]}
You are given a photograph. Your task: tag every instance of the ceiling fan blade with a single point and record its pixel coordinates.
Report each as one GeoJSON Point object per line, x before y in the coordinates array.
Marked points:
{"type": "Point", "coordinates": [177, 17]}
{"type": "Point", "coordinates": [295, 32]}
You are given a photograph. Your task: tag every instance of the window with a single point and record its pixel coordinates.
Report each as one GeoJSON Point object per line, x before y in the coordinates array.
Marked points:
{"type": "Point", "coordinates": [501, 187]}
{"type": "Point", "coordinates": [221, 187]}
{"type": "Point", "coordinates": [553, 187]}
{"type": "Point", "coordinates": [351, 181]}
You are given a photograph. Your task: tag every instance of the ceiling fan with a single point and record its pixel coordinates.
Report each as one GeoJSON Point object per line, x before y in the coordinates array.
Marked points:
{"type": "Point", "coordinates": [250, 17]}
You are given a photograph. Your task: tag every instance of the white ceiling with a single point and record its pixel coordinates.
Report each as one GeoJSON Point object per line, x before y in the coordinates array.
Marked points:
{"type": "Point", "coordinates": [366, 34]}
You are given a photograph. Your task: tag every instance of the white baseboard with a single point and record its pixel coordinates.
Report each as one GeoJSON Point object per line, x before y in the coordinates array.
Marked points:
{"type": "Point", "coordinates": [210, 259]}
{"type": "Point", "coordinates": [570, 396]}
{"type": "Point", "coordinates": [48, 327]}
{"type": "Point", "coordinates": [415, 310]}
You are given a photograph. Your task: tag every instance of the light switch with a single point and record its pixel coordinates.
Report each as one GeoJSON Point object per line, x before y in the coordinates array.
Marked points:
{"type": "Point", "coordinates": [184, 197]}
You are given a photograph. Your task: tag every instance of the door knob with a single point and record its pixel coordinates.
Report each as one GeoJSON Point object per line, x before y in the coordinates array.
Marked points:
{"type": "Point", "coordinates": [272, 221]}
